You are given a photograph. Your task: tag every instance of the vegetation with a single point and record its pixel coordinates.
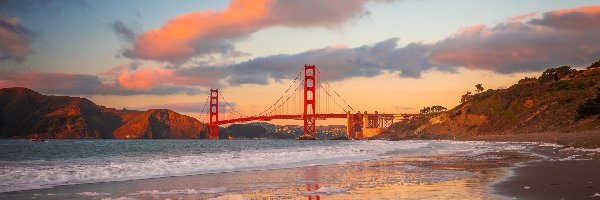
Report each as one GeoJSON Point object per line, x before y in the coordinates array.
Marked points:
{"type": "Point", "coordinates": [560, 100]}
{"type": "Point", "coordinates": [466, 97]}
{"type": "Point", "coordinates": [528, 80]}
{"type": "Point", "coordinates": [555, 74]}
{"type": "Point", "coordinates": [433, 109]}
{"type": "Point", "coordinates": [589, 108]}
{"type": "Point", "coordinates": [479, 88]}
{"type": "Point", "coordinates": [594, 65]}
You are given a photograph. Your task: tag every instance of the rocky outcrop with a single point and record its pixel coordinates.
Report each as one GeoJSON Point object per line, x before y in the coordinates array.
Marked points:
{"type": "Point", "coordinates": [24, 112]}
{"type": "Point", "coordinates": [163, 124]}
{"type": "Point", "coordinates": [531, 106]}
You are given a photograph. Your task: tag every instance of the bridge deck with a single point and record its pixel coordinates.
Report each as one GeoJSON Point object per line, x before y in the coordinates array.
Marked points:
{"type": "Point", "coordinates": [299, 117]}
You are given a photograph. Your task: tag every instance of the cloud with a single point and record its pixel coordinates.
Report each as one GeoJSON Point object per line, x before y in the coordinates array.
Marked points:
{"type": "Point", "coordinates": [521, 44]}
{"type": "Point", "coordinates": [203, 33]}
{"type": "Point", "coordinates": [336, 63]}
{"type": "Point", "coordinates": [563, 37]}
{"type": "Point", "coordinates": [15, 40]}
{"type": "Point", "coordinates": [188, 107]}
{"type": "Point", "coordinates": [582, 18]}
{"type": "Point", "coordinates": [84, 84]}
{"type": "Point", "coordinates": [123, 31]}
{"type": "Point", "coordinates": [132, 76]}
{"type": "Point", "coordinates": [19, 7]}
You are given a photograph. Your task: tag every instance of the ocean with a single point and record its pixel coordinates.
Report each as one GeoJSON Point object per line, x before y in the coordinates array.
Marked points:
{"type": "Point", "coordinates": [48, 166]}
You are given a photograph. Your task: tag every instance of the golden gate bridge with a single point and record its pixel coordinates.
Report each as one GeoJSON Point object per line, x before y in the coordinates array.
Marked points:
{"type": "Point", "coordinates": [309, 99]}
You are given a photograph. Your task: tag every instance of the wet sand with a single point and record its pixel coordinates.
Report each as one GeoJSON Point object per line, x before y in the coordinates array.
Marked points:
{"type": "Point", "coordinates": [546, 172]}
{"type": "Point", "coordinates": [562, 174]}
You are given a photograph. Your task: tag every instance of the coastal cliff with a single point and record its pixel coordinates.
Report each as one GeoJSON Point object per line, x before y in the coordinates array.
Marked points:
{"type": "Point", "coordinates": [24, 112]}
{"type": "Point", "coordinates": [560, 100]}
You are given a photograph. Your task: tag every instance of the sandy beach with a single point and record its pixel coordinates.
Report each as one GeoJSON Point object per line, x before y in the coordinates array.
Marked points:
{"type": "Point", "coordinates": [504, 170]}
{"type": "Point", "coordinates": [456, 175]}
{"type": "Point", "coordinates": [562, 173]}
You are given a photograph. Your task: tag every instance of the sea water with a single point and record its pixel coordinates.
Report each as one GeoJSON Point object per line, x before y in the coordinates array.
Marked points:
{"type": "Point", "coordinates": [28, 165]}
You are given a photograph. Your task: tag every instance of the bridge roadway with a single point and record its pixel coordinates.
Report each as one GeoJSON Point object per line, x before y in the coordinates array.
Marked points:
{"type": "Point", "coordinates": [299, 117]}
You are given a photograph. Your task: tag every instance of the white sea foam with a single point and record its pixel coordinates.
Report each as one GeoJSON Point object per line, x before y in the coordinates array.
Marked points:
{"type": "Point", "coordinates": [543, 144]}
{"type": "Point", "coordinates": [186, 191]}
{"type": "Point", "coordinates": [32, 174]}
{"type": "Point", "coordinates": [120, 198]}
{"type": "Point", "coordinates": [230, 197]}
{"type": "Point", "coordinates": [331, 190]}
{"type": "Point", "coordinates": [93, 194]}
{"type": "Point", "coordinates": [39, 174]}
{"type": "Point", "coordinates": [581, 149]}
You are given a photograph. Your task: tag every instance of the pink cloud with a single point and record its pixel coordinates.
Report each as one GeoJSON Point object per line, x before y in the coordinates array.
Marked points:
{"type": "Point", "coordinates": [523, 17]}
{"type": "Point", "coordinates": [213, 32]}
{"type": "Point", "coordinates": [135, 77]}
{"type": "Point", "coordinates": [14, 39]}
{"type": "Point", "coordinates": [570, 36]}
{"type": "Point", "coordinates": [581, 18]}
{"type": "Point", "coordinates": [145, 78]}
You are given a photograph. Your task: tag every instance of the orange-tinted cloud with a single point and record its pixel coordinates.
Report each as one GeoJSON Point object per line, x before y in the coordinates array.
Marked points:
{"type": "Point", "coordinates": [582, 18]}
{"type": "Point", "coordinates": [118, 81]}
{"type": "Point", "coordinates": [145, 78]}
{"type": "Point", "coordinates": [14, 39]}
{"type": "Point", "coordinates": [213, 32]}
{"type": "Point", "coordinates": [564, 37]}
{"type": "Point", "coordinates": [134, 77]}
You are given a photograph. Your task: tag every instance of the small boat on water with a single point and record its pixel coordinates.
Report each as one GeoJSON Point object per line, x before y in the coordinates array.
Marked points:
{"type": "Point", "coordinates": [36, 138]}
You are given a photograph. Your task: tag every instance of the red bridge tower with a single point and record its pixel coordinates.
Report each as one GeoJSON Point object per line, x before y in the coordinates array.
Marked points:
{"type": "Point", "coordinates": [213, 126]}
{"type": "Point", "coordinates": [309, 115]}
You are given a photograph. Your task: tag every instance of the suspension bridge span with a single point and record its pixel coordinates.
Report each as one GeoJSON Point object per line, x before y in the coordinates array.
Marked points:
{"type": "Point", "coordinates": [308, 99]}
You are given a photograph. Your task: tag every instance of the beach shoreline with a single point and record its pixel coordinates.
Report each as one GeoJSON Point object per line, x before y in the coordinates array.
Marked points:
{"type": "Point", "coordinates": [458, 174]}
{"type": "Point", "coordinates": [501, 172]}
{"type": "Point", "coordinates": [560, 173]}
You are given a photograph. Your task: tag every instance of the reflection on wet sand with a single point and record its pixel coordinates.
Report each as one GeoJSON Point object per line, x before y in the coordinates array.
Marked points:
{"type": "Point", "coordinates": [311, 176]}
{"type": "Point", "coordinates": [451, 176]}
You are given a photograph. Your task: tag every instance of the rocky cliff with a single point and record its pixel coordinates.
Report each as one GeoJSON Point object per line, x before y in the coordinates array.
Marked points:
{"type": "Point", "coordinates": [551, 103]}
{"type": "Point", "coordinates": [24, 112]}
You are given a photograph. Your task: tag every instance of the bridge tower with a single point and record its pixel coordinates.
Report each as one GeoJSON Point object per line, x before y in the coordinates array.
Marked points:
{"type": "Point", "coordinates": [213, 126]}
{"type": "Point", "coordinates": [309, 116]}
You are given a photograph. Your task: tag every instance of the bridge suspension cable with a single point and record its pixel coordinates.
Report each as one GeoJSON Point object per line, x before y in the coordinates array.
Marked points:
{"type": "Point", "coordinates": [329, 90]}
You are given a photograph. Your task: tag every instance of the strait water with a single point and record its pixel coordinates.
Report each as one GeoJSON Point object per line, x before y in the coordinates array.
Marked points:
{"type": "Point", "coordinates": [28, 165]}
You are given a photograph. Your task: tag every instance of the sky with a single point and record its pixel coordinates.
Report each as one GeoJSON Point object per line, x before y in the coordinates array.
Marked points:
{"type": "Point", "coordinates": [390, 56]}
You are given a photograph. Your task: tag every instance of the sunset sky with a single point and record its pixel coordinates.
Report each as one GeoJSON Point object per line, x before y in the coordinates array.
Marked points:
{"type": "Point", "coordinates": [393, 56]}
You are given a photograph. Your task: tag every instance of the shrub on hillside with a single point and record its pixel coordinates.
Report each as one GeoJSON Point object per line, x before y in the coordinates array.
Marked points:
{"type": "Point", "coordinates": [589, 108]}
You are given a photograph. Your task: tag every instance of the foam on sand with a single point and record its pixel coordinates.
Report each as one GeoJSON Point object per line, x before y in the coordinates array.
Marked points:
{"type": "Point", "coordinates": [35, 174]}
{"type": "Point", "coordinates": [331, 190]}
{"type": "Point", "coordinates": [92, 194]}
{"type": "Point", "coordinates": [230, 197]}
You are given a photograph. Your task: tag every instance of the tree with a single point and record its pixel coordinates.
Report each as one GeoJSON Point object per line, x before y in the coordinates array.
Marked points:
{"type": "Point", "coordinates": [438, 108]}
{"type": "Point", "coordinates": [555, 74]}
{"type": "Point", "coordinates": [479, 88]}
{"type": "Point", "coordinates": [466, 97]}
{"type": "Point", "coordinates": [432, 109]}
{"type": "Point", "coordinates": [425, 110]}
{"type": "Point", "coordinates": [589, 108]}
{"type": "Point", "coordinates": [565, 71]}
{"type": "Point", "coordinates": [594, 65]}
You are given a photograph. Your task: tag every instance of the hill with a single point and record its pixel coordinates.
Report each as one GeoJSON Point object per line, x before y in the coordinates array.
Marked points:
{"type": "Point", "coordinates": [560, 100]}
{"type": "Point", "coordinates": [24, 112]}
